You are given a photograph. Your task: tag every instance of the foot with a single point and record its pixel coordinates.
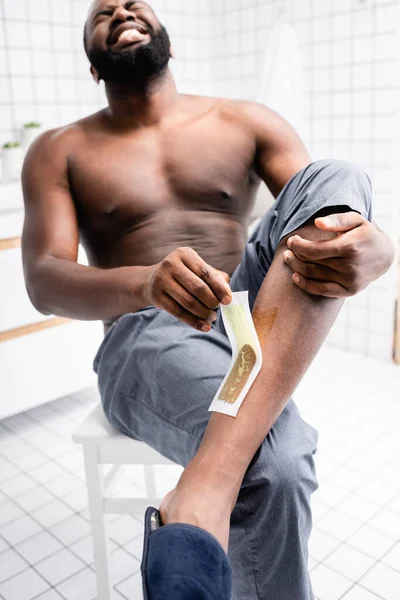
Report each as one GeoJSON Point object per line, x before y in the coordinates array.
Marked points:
{"type": "Point", "coordinates": [198, 503]}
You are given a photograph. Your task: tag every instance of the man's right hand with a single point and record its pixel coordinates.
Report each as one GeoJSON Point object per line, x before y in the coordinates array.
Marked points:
{"type": "Point", "coordinates": [188, 288]}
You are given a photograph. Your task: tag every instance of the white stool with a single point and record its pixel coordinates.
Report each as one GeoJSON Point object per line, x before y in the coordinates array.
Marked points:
{"type": "Point", "coordinates": [102, 444]}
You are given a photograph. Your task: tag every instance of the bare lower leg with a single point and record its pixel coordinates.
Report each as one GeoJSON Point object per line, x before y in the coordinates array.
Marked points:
{"type": "Point", "coordinates": [291, 326]}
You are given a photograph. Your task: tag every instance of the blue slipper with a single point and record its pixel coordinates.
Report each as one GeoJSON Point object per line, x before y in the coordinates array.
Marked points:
{"type": "Point", "coordinates": [183, 562]}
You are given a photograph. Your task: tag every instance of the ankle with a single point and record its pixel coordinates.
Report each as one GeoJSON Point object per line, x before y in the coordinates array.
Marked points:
{"type": "Point", "coordinates": [209, 481]}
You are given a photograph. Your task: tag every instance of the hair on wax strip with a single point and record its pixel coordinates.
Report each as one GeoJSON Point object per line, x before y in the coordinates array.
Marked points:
{"type": "Point", "coordinates": [246, 356]}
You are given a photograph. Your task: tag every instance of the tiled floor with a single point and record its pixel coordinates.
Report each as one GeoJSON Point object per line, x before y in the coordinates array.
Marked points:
{"type": "Point", "coordinates": [45, 544]}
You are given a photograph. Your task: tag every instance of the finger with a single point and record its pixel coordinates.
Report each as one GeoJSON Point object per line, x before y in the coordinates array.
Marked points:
{"type": "Point", "coordinates": [340, 222]}
{"type": "Point", "coordinates": [176, 310]}
{"type": "Point", "coordinates": [219, 282]}
{"type": "Point", "coordinates": [192, 305]}
{"type": "Point", "coordinates": [225, 276]}
{"type": "Point", "coordinates": [337, 264]}
{"type": "Point", "coordinates": [312, 270]}
{"type": "Point", "coordinates": [316, 250]}
{"type": "Point", "coordinates": [320, 288]}
{"type": "Point", "coordinates": [213, 278]}
{"type": "Point", "coordinates": [196, 287]}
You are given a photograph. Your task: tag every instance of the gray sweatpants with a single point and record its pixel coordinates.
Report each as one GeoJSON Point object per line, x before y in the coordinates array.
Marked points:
{"type": "Point", "coordinates": [157, 378]}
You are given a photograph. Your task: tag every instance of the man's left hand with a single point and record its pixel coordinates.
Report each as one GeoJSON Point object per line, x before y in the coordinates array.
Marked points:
{"type": "Point", "coordinates": [345, 265]}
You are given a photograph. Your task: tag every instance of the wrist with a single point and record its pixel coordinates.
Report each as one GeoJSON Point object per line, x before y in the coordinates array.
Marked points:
{"type": "Point", "coordinates": [133, 288]}
{"type": "Point", "coordinates": [143, 285]}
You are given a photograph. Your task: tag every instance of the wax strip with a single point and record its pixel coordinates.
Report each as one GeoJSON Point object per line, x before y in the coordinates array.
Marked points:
{"type": "Point", "coordinates": [246, 356]}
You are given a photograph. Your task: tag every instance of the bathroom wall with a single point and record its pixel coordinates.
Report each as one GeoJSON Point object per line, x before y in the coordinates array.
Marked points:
{"type": "Point", "coordinates": [44, 73]}
{"type": "Point", "coordinates": [349, 52]}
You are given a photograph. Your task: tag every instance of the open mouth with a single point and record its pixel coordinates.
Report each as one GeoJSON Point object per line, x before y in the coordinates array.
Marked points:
{"type": "Point", "coordinates": [128, 37]}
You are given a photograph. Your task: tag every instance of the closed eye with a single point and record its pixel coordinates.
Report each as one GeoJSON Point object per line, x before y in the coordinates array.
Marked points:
{"type": "Point", "coordinates": [103, 13]}
{"type": "Point", "coordinates": [109, 12]}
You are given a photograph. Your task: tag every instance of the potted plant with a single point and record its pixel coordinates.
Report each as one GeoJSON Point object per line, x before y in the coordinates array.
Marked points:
{"type": "Point", "coordinates": [11, 160]}
{"type": "Point", "coordinates": [30, 131]}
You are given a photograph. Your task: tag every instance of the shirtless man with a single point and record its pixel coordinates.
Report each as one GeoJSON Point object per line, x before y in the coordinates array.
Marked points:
{"type": "Point", "coordinates": [159, 186]}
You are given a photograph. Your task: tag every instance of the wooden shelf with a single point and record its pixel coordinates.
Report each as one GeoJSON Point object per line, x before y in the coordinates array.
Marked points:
{"type": "Point", "coordinates": [9, 243]}
{"type": "Point", "coordinates": [17, 332]}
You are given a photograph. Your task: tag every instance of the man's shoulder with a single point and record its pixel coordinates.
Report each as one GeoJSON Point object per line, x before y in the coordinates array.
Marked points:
{"type": "Point", "coordinates": [241, 112]}
{"type": "Point", "coordinates": [219, 102]}
{"type": "Point", "coordinates": [67, 137]}
{"type": "Point", "coordinates": [246, 112]}
{"type": "Point", "coordinates": [258, 120]}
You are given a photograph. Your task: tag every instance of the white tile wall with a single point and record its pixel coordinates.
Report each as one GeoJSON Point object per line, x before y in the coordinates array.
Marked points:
{"type": "Point", "coordinates": [349, 53]}
{"type": "Point", "coordinates": [44, 73]}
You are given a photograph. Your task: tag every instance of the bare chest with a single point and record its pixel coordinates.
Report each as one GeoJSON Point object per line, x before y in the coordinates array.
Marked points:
{"type": "Point", "coordinates": [122, 182]}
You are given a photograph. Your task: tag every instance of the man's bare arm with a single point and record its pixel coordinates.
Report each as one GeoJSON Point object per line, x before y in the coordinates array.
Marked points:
{"type": "Point", "coordinates": [182, 284]}
{"type": "Point", "coordinates": [328, 267]}
{"type": "Point", "coordinates": [55, 282]}
{"type": "Point", "coordinates": [280, 152]}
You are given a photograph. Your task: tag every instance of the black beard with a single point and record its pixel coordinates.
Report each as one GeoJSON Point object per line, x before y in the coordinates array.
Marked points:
{"type": "Point", "coordinates": [133, 64]}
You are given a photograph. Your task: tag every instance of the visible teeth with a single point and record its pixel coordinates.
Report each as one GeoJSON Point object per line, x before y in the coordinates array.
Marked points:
{"type": "Point", "coordinates": [130, 35]}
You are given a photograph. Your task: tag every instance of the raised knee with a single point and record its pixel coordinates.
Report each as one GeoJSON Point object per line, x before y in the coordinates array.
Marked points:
{"type": "Point", "coordinates": [292, 474]}
{"type": "Point", "coordinates": [286, 477]}
{"type": "Point", "coordinates": [343, 169]}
